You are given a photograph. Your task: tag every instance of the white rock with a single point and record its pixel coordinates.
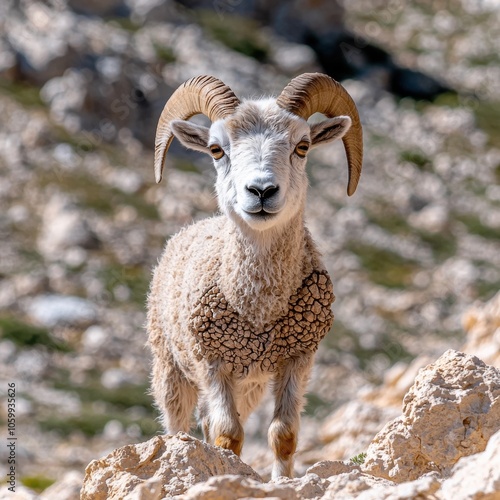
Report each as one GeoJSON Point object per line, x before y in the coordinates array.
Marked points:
{"type": "Point", "coordinates": [68, 488]}
{"type": "Point", "coordinates": [7, 351]}
{"type": "Point", "coordinates": [64, 94]}
{"type": "Point", "coordinates": [75, 256]}
{"type": "Point", "coordinates": [229, 487]}
{"type": "Point", "coordinates": [432, 218]}
{"type": "Point", "coordinates": [20, 493]}
{"type": "Point", "coordinates": [294, 58]}
{"type": "Point", "coordinates": [475, 477]}
{"type": "Point", "coordinates": [31, 364]}
{"type": "Point", "coordinates": [63, 227]}
{"type": "Point", "coordinates": [113, 430]}
{"type": "Point", "coordinates": [52, 310]}
{"type": "Point", "coordinates": [114, 378]}
{"type": "Point", "coordinates": [422, 488]}
{"type": "Point", "coordinates": [350, 485]}
{"type": "Point", "coordinates": [451, 411]}
{"type": "Point", "coordinates": [328, 468]}
{"type": "Point", "coordinates": [179, 461]}
{"type": "Point", "coordinates": [93, 338]}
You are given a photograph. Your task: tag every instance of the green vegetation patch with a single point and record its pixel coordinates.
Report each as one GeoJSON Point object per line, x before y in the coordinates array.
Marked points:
{"type": "Point", "coordinates": [97, 196]}
{"type": "Point", "coordinates": [384, 267]}
{"type": "Point", "coordinates": [113, 405]}
{"type": "Point", "coordinates": [165, 53]}
{"type": "Point", "coordinates": [475, 226]}
{"type": "Point", "coordinates": [37, 483]}
{"type": "Point", "coordinates": [497, 173]}
{"type": "Point", "coordinates": [92, 423]}
{"type": "Point", "coordinates": [23, 93]}
{"type": "Point", "coordinates": [316, 406]}
{"type": "Point", "coordinates": [487, 114]}
{"type": "Point", "coordinates": [26, 335]}
{"type": "Point", "coordinates": [342, 339]}
{"type": "Point", "coordinates": [90, 193]}
{"type": "Point", "coordinates": [388, 218]}
{"type": "Point", "coordinates": [449, 99]}
{"type": "Point", "coordinates": [487, 289]}
{"type": "Point", "coordinates": [488, 59]}
{"type": "Point", "coordinates": [359, 459]}
{"type": "Point", "coordinates": [125, 23]}
{"type": "Point", "coordinates": [135, 278]}
{"type": "Point", "coordinates": [121, 397]}
{"type": "Point", "coordinates": [238, 33]}
{"type": "Point", "coordinates": [185, 165]}
{"type": "Point", "coordinates": [443, 244]}
{"type": "Point", "coordinates": [136, 200]}
{"type": "Point", "coordinates": [417, 158]}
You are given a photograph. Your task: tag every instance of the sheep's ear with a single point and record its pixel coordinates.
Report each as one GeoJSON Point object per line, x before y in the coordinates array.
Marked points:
{"type": "Point", "coordinates": [329, 130]}
{"type": "Point", "coordinates": [191, 135]}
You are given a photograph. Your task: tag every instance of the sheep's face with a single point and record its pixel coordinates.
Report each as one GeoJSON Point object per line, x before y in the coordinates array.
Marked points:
{"type": "Point", "coordinates": [259, 153]}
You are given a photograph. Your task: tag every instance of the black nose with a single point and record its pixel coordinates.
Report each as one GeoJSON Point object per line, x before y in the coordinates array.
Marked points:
{"type": "Point", "coordinates": [263, 192]}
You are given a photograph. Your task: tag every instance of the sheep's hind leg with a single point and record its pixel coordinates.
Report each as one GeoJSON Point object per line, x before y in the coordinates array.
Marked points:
{"type": "Point", "coordinates": [204, 418]}
{"type": "Point", "coordinates": [174, 395]}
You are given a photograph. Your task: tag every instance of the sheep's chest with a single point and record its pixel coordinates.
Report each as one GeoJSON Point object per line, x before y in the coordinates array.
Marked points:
{"type": "Point", "coordinates": [220, 333]}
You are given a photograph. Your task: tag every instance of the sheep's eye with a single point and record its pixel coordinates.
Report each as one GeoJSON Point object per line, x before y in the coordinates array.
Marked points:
{"type": "Point", "coordinates": [216, 151]}
{"type": "Point", "coordinates": [301, 149]}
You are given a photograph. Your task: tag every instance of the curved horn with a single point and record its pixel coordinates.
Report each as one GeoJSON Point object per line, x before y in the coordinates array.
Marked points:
{"type": "Point", "coordinates": [201, 94]}
{"type": "Point", "coordinates": [317, 93]}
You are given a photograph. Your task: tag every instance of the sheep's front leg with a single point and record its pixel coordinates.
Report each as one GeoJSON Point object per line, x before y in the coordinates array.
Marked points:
{"type": "Point", "coordinates": [219, 416]}
{"type": "Point", "coordinates": [289, 387]}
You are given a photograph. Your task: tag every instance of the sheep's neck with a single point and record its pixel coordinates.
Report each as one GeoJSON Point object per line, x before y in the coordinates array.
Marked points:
{"type": "Point", "coordinates": [259, 277]}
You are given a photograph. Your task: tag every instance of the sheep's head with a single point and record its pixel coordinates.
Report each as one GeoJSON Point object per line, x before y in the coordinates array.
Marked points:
{"type": "Point", "coordinates": [259, 148]}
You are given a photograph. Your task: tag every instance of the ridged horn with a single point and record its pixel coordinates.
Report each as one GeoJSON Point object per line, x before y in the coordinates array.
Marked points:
{"type": "Point", "coordinates": [201, 94]}
{"type": "Point", "coordinates": [317, 93]}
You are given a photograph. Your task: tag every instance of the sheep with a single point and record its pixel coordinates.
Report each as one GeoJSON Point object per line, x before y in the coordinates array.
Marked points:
{"type": "Point", "coordinates": [241, 300]}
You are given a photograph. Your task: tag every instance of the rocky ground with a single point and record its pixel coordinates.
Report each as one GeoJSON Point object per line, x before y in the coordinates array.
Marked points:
{"type": "Point", "coordinates": [82, 222]}
{"type": "Point", "coordinates": [445, 445]}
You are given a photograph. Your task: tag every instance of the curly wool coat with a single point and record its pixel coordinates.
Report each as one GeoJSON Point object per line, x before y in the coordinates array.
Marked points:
{"type": "Point", "coordinates": [216, 298]}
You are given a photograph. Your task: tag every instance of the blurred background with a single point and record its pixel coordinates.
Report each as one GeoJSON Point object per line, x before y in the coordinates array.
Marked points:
{"type": "Point", "coordinates": [82, 223]}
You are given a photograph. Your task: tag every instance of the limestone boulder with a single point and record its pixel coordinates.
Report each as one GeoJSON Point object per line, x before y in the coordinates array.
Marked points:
{"type": "Point", "coordinates": [350, 485]}
{"type": "Point", "coordinates": [476, 477]}
{"type": "Point", "coordinates": [450, 412]}
{"type": "Point", "coordinates": [346, 485]}
{"type": "Point", "coordinates": [445, 445]}
{"type": "Point", "coordinates": [68, 488]}
{"type": "Point", "coordinates": [163, 466]}
{"type": "Point", "coordinates": [230, 487]}
{"type": "Point", "coordinates": [424, 487]}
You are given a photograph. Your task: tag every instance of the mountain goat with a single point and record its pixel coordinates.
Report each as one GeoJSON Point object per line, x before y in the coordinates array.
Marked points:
{"type": "Point", "coordinates": [242, 299]}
